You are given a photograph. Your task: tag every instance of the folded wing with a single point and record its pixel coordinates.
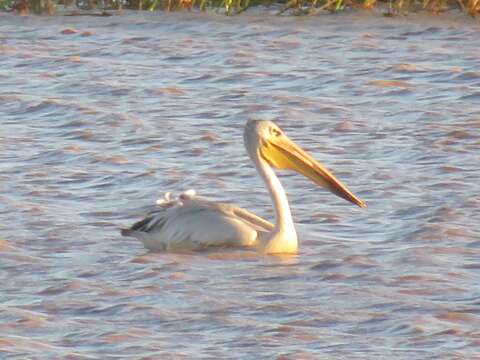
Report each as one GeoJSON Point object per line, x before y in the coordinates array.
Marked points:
{"type": "Point", "coordinates": [197, 223]}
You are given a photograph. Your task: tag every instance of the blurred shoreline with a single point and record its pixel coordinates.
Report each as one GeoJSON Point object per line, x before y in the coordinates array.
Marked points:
{"type": "Point", "coordinates": [463, 9]}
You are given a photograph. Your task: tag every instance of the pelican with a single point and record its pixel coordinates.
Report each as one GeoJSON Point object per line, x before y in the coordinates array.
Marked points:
{"type": "Point", "coordinates": [192, 222]}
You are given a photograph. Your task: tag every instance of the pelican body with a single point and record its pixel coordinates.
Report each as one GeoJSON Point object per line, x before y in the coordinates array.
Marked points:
{"type": "Point", "coordinates": [191, 222]}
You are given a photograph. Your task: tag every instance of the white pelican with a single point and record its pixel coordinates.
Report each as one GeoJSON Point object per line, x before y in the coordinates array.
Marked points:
{"type": "Point", "coordinates": [192, 222]}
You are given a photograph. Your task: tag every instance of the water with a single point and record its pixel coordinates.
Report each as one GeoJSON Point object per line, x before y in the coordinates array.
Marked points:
{"type": "Point", "coordinates": [98, 121]}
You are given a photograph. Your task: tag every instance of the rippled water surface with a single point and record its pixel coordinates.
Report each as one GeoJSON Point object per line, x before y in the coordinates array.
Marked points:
{"type": "Point", "coordinates": [100, 116]}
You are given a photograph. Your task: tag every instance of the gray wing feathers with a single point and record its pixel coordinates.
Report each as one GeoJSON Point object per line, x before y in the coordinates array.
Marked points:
{"type": "Point", "coordinates": [197, 223]}
{"type": "Point", "coordinates": [257, 221]}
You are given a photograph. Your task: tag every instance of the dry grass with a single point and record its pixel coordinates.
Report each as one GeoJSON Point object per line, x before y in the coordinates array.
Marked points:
{"type": "Point", "coordinates": [233, 7]}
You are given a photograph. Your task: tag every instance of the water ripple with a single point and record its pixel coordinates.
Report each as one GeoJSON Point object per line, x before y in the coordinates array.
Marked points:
{"type": "Point", "coordinates": [101, 116]}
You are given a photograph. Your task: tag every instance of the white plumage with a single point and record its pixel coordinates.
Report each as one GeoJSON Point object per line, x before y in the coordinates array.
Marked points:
{"type": "Point", "coordinates": [174, 225]}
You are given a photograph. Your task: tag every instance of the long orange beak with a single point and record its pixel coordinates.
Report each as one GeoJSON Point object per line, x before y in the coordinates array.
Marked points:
{"type": "Point", "coordinates": [283, 153]}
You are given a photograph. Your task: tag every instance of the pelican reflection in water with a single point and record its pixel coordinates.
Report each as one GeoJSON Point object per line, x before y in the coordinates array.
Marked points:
{"type": "Point", "coordinates": [192, 222]}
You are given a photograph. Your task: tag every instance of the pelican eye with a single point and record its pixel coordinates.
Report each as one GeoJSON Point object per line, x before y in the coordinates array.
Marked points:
{"type": "Point", "coordinates": [276, 132]}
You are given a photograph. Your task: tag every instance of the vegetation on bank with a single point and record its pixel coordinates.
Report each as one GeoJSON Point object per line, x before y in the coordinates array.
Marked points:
{"type": "Point", "coordinates": [233, 7]}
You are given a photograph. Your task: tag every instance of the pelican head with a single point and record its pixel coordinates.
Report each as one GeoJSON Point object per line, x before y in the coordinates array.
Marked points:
{"type": "Point", "coordinates": [266, 142]}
